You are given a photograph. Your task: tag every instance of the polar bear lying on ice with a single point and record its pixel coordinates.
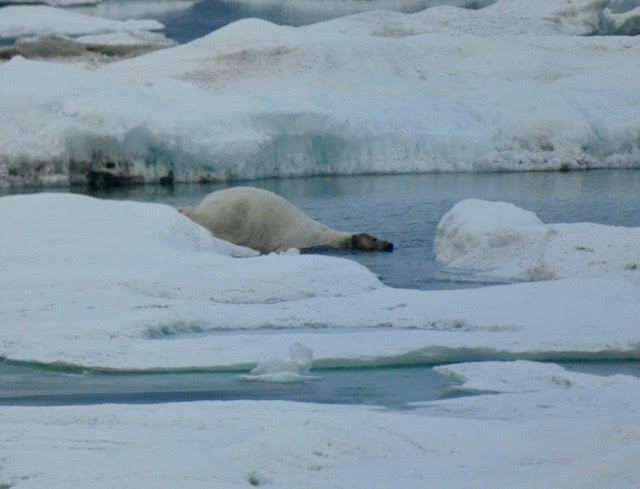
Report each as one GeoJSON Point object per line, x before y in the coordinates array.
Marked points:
{"type": "Point", "coordinates": [266, 222]}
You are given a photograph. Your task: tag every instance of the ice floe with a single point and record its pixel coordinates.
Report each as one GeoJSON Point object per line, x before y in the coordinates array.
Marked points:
{"type": "Point", "coordinates": [20, 21]}
{"type": "Point", "coordinates": [497, 241]}
{"type": "Point", "coordinates": [547, 427]}
{"type": "Point", "coordinates": [378, 92]}
{"type": "Point", "coordinates": [54, 3]}
{"type": "Point", "coordinates": [138, 9]}
{"type": "Point", "coordinates": [52, 33]}
{"type": "Point", "coordinates": [296, 369]}
{"type": "Point", "coordinates": [131, 286]}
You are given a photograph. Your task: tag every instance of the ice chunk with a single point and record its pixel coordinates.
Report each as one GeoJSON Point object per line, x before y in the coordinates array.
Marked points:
{"type": "Point", "coordinates": [46, 32]}
{"type": "Point", "coordinates": [480, 240]}
{"type": "Point", "coordinates": [294, 370]}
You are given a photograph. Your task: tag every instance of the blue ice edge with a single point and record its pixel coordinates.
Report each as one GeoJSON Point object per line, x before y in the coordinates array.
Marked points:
{"type": "Point", "coordinates": [424, 357]}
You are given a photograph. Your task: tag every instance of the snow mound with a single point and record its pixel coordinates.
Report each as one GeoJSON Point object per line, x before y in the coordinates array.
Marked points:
{"type": "Point", "coordinates": [496, 241]}
{"type": "Point", "coordinates": [63, 242]}
{"type": "Point", "coordinates": [519, 376]}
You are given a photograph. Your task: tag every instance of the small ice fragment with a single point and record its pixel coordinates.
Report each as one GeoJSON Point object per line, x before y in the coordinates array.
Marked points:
{"type": "Point", "coordinates": [296, 369]}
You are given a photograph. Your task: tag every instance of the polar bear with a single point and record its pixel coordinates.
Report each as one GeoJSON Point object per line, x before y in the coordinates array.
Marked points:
{"type": "Point", "coordinates": [266, 222]}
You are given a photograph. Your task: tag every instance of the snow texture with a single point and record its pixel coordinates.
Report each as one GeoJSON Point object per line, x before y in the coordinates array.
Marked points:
{"type": "Point", "coordinates": [131, 286]}
{"type": "Point", "coordinates": [547, 427]}
{"type": "Point", "coordinates": [496, 241]}
{"type": "Point", "coordinates": [509, 87]}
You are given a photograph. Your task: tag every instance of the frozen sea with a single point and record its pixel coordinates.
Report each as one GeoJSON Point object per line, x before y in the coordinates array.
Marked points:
{"type": "Point", "coordinates": [405, 209]}
{"type": "Point", "coordinates": [497, 346]}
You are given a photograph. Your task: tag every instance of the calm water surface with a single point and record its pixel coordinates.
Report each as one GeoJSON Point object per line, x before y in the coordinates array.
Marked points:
{"type": "Point", "coordinates": [393, 388]}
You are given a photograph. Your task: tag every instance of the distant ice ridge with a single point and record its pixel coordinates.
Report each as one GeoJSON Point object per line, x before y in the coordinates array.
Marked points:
{"type": "Point", "coordinates": [54, 3]}
{"type": "Point", "coordinates": [54, 33]}
{"type": "Point", "coordinates": [378, 92]}
{"type": "Point", "coordinates": [136, 9]}
{"type": "Point", "coordinates": [497, 241]}
{"type": "Point", "coordinates": [133, 286]}
{"type": "Point", "coordinates": [302, 12]}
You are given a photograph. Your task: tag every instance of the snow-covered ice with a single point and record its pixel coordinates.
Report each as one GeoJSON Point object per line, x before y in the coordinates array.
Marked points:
{"type": "Point", "coordinates": [53, 33]}
{"type": "Point", "coordinates": [378, 92]}
{"type": "Point", "coordinates": [497, 241]}
{"type": "Point", "coordinates": [296, 369]}
{"type": "Point", "coordinates": [54, 3]}
{"type": "Point", "coordinates": [137, 9]}
{"type": "Point", "coordinates": [20, 21]}
{"type": "Point", "coordinates": [129, 286]}
{"type": "Point", "coordinates": [546, 427]}
{"type": "Point", "coordinates": [302, 12]}
{"type": "Point", "coordinates": [133, 286]}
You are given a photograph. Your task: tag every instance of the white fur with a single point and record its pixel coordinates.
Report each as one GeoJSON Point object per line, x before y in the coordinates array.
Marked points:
{"type": "Point", "coordinates": [263, 221]}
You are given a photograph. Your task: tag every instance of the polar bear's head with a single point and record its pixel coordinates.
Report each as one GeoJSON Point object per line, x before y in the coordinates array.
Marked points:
{"type": "Point", "coordinates": [364, 241]}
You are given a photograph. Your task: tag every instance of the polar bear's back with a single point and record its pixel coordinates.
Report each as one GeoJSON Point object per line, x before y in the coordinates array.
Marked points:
{"type": "Point", "coordinates": [258, 219]}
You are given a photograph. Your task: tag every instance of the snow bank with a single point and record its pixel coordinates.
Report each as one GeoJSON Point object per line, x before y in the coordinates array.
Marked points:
{"type": "Point", "coordinates": [131, 286]}
{"type": "Point", "coordinates": [496, 241]}
{"type": "Point", "coordinates": [582, 433]}
{"type": "Point", "coordinates": [379, 92]}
